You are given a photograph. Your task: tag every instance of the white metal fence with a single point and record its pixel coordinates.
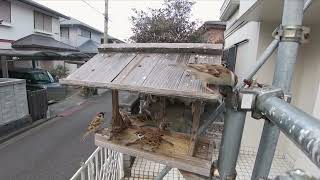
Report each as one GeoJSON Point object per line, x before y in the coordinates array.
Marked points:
{"type": "Point", "coordinates": [103, 164]}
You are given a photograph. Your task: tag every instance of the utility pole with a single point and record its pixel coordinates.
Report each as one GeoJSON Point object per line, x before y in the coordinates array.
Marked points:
{"type": "Point", "coordinates": [106, 18]}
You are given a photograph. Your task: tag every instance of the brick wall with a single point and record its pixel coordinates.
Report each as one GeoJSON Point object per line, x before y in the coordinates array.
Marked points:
{"type": "Point", "coordinates": [214, 36]}
{"type": "Point", "coordinates": [213, 32]}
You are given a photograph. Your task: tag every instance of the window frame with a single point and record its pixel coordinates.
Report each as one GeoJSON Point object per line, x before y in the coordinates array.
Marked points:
{"type": "Point", "coordinates": [10, 12]}
{"type": "Point", "coordinates": [83, 29]}
{"type": "Point", "coordinates": [68, 30]}
{"type": "Point", "coordinates": [43, 24]}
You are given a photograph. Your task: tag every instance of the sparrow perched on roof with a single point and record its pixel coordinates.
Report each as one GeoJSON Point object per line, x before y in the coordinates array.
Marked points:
{"type": "Point", "coordinates": [212, 74]}
{"type": "Point", "coordinates": [95, 124]}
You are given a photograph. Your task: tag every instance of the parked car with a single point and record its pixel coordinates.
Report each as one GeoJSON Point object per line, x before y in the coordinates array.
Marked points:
{"type": "Point", "coordinates": [39, 78]}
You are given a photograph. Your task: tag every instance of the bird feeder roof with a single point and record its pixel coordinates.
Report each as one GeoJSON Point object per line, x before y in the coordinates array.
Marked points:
{"type": "Point", "coordinates": [151, 68]}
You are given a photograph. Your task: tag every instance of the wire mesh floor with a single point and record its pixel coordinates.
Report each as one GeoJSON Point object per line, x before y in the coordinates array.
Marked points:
{"type": "Point", "coordinates": [145, 169]}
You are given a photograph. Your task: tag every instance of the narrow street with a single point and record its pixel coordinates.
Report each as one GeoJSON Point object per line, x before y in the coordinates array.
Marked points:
{"type": "Point", "coordinates": [54, 150]}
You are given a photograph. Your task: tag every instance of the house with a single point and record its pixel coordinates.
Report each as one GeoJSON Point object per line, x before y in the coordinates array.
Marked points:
{"type": "Point", "coordinates": [85, 38]}
{"type": "Point", "coordinates": [27, 25]}
{"type": "Point", "coordinates": [252, 23]}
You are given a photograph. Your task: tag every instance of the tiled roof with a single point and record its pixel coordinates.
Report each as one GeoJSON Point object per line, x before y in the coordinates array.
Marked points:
{"type": "Point", "coordinates": [36, 41]}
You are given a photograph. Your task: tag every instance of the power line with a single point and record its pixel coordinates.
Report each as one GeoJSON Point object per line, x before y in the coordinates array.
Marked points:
{"type": "Point", "coordinates": [92, 7]}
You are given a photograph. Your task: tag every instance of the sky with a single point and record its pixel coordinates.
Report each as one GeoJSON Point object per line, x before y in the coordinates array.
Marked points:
{"type": "Point", "coordinates": [121, 10]}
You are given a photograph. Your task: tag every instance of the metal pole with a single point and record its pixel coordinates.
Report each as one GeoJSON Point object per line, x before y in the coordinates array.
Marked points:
{"type": "Point", "coordinates": [261, 60]}
{"type": "Point", "coordinates": [287, 55]}
{"type": "Point", "coordinates": [106, 18]}
{"type": "Point", "coordinates": [231, 140]}
{"type": "Point", "coordinates": [163, 173]}
{"type": "Point", "coordinates": [4, 67]}
{"type": "Point", "coordinates": [266, 54]}
{"type": "Point", "coordinates": [211, 118]}
{"type": "Point", "coordinates": [298, 126]}
{"type": "Point", "coordinates": [307, 4]}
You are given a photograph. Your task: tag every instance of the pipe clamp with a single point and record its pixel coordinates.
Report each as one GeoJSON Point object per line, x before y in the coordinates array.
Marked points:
{"type": "Point", "coordinates": [250, 98]}
{"type": "Point", "coordinates": [297, 33]}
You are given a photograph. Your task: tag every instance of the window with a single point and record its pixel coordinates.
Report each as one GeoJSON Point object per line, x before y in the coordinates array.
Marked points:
{"type": "Point", "coordinates": [64, 32]}
{"type": "Point", "coordinates": [85, 33]}
{"type": "Point", "coordinates": [42, 22]}
{"type": "Point", "coordinates": [5, 11]}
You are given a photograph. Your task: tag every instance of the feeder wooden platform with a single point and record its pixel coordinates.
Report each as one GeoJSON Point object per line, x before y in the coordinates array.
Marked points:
{"type": "Point", "coordinates": [174, 156]}
{"type": "Point", "coordinates": [157, 69]}
{"type": "Point", "coordinates": [149, 68]}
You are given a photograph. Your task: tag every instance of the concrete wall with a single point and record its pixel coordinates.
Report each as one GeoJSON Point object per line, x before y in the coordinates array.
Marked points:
{"type": "Point", "coordinates": [13, 101]}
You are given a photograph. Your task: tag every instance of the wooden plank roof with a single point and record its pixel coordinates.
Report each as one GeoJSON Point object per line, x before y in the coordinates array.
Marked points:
{"type": "Point", "coordinates": [148, 68]}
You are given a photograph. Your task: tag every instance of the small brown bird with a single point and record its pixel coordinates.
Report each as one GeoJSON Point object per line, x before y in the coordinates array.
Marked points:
{"type": "Point", "coordinates": [212, 74]}
{"type": "Point", "coordinates": [95, 124]}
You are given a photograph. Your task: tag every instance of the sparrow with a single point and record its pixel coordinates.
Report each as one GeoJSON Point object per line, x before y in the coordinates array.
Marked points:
{"type": "Point", "coordinates": [212, 74]}
{"type": "Point", "coordinates": [95, 124]}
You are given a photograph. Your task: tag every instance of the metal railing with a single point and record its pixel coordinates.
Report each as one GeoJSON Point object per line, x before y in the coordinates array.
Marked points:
{"type": "Point", "coordinates": [301, 128]}
{"type": "Point", "coordinates": [103, 164]}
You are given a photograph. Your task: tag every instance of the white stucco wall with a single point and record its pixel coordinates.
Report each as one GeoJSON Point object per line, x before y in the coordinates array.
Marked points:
{"type": "Point", "coordinates": [75, 38]}
{"type": "Point", "coordinates": [246, 57]}
{"type": "Point", "coordinates": [56, 28]}
{"type": "Point", "coordinates": [232, 19]}
{"type": "Point", "coordinates": [245, 5]}
{"type": "Point", "coordinates": [22, 24]}
{"type": "Point", "coordinates": [95, 36]}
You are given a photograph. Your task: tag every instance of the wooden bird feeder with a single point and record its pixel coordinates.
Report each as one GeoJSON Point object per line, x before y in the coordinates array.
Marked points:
{"type": "Point", "coordinates": [154, 69]}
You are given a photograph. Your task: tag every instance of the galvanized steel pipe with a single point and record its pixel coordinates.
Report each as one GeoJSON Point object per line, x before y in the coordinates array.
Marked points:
{"type": "Point", "coordinates": [230, 143]}
{"type": "Point", "coordinates": [163, 173]}
{"type": "Point", "coordinates": [231, 139]}
{"type": "Point", "coordinates": [208, 120]}
{"type": "Point", "coordinates": [261, 61]}
{"type": "Point", "coordinates": [267, 53]}
{"type": "Point", "coordinates": [283, 74]}
{"type": "Point", "coordinates": [298, 126]}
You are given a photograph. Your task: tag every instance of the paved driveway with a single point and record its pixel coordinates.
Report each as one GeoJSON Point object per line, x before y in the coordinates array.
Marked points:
{"type": "Point", "coordinates": [54, 150]}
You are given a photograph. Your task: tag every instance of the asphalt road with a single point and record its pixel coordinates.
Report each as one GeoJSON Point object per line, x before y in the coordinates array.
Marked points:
{"type": "Point", "coordinates": [54, 150]}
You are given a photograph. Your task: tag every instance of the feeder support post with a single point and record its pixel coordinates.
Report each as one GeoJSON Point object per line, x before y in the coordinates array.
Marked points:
{"type": "Point", "coordinates": [234, 120]}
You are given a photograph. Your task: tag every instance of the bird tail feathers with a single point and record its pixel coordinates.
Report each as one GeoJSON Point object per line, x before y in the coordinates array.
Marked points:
{"type": "Point", "coordinates": [85, 136]}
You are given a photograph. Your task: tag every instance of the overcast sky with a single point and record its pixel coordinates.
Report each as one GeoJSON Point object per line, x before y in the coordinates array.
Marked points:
{"type": "Point", "coordinates": [121, 10]}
